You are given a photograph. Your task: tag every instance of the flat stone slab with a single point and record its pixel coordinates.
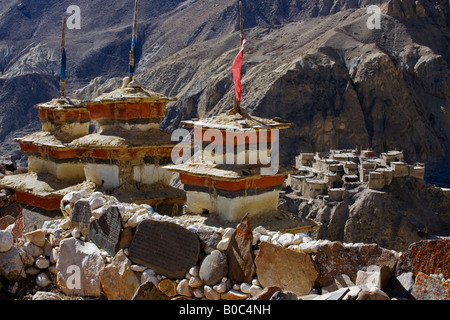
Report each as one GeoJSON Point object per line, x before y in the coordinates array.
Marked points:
{"type": "Point", "coordinates": [105, 232]}
{"type": "Point", "coordinates": [167, 248]}
{"type": "Point", "coordinates": [81, 217]}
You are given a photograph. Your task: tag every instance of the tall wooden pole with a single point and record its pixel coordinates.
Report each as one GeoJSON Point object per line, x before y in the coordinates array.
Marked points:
{"type": "Point", "coordinates": [134, 41]}
{"type": "Point", "coordinates": [63, 60]}
{"type": "Point", "coordinates": [237, 103]}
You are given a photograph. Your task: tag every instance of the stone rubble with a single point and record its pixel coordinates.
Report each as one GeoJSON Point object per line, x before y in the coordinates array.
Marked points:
{"type": "Point", "coordinates": [278, 266]}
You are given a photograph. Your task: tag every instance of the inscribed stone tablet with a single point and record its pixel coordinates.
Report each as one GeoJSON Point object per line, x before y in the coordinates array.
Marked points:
{"type": "Point", "coordinates": [167, 248]}
{"type": "Point", "coordinates": [81, 217]}
{"type": "Point", "coordinates": [105, 232]}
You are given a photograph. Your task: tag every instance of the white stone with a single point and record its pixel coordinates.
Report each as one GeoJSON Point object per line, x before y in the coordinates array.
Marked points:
{"type": "Point", "coordinates": [255, 290]}
{"type": "Point", "coordinates": [183, 288]}
{"type": "Point", "coordinates": [6, 241]}
{"type": "Point", "coordinates": [255, 282]}
{"type": "Point", "coordinates": [65, 224]}
{"type": "Point", "coordinates": [261, 230]}
{"type": "Point", "coordinates": [98, 213]}
{"type": "Point", "coordinates": [234, 295]}
{"type": "Point", "coordinates": [275, 236]}
{"type": "Point", "coordinates": [194, 271]}
{"type": "Point", "coordinates": [228, 233]}
{"type": "Point", "coordinates": [310, 247]}
{"type": "Point", "coordinates": [97, 194]}
{"type": "Point", "coordinates": [149, 275]}
{"type": "Point", "coordinates": [286, 239]}
{"type": "Point", "coordinates": [97, 203]}
{"type": "Point", "coordinates": [54, 255]}
{"type": "Point", "coordinates": [68, 210]}
{"type": "Point", "coordinates": [136, 220]}
{"type": "Point", "coordinates": [245, 288]}
{"type": "Point", "coordinates": [76, 233]}
{"type": "Point", "coordinates": [73, 197]}
{"type": "Point", "coordinates": [195, 282]}
{"type": "Point", "coordinates": [42, 280]}
{"type": "Point", "coordinates": [297, 239]}
{"type": "Point", "coordinates": [42, 263]}
{"type": "Point", "coordinates": [256, 237]}
{"type": "Point", "coordinates": [264, 238]}
{"type": "Point", "coordinates": [138, 268]}
{"type": "Point", "coordinates": [221, 287]}
{"type": "Point", "coordinates": [306, 239]}
{"type": "Point", "coordinates": [211, 294]}
{"type": "Point", "coordinates": [223, 244]}
{"type": "Point", "coordinates": [369, 278]}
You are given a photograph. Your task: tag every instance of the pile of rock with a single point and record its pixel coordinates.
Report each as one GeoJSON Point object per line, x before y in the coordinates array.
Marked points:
{"type": "Point", "coordinates": [104, 249]}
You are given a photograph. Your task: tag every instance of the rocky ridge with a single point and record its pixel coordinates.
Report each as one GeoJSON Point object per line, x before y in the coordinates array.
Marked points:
{"type": "Point", "coordinates": [279, 266]}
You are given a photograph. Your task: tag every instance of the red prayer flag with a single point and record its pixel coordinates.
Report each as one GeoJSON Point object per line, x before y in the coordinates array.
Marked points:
{"type": "Point", "coordinates": [237, 65]}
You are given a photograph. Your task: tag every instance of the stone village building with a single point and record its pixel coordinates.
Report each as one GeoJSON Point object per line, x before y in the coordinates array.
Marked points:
{"type": "Point", "coordinates": [330, 175]}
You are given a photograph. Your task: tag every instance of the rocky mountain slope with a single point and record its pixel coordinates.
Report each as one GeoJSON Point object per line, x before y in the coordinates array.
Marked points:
{"type": "Point", "coordinates": [340, 83]}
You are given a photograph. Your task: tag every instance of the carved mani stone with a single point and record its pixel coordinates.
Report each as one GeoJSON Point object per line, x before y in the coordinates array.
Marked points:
{"type": "Point", "coordinates": [81, 217]}
{"type": "Point", "coordinates": [105, 232]}
{"type": "Point", "coordinates": [167, 248]}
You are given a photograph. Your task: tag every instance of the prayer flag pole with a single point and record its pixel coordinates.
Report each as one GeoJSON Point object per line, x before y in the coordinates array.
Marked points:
{"type": "Point", "coordinates": [63, 60]}
{"type": "Point", "coordinates": [237, 65]}
{"type": "Point", "coordinates": [132, 65]}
